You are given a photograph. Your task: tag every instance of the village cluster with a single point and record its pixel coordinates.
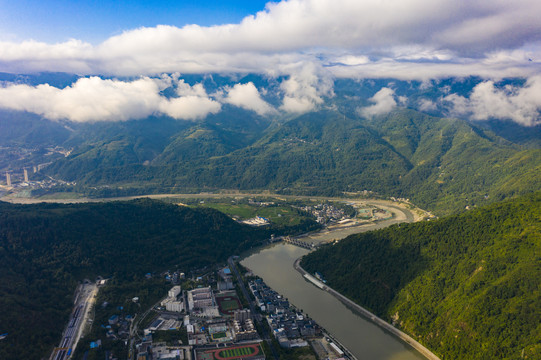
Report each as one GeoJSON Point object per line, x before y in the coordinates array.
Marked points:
{"type": "Point", "coordinates": [288, 324]}
{"type": "Point", "coordinates": [325, 213]}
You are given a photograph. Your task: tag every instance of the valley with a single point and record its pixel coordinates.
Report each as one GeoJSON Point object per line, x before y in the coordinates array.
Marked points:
{"type": "Point", "coordinates": [126, 199]}
{"type": "Point", "coordinates": [270, 180]}
{"type": "Point", "coordinates": [442, 164]}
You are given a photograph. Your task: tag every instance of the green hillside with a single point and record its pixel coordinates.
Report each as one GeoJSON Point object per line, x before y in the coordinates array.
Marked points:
{"type": "Point", "coordinates": [467, 286]}
{"type": "Point", "coordinates": [46, 249]}
{"type": "Point", "coordinates": [443, 165]}
{"type": "Point", "coordinates": [455, 164]}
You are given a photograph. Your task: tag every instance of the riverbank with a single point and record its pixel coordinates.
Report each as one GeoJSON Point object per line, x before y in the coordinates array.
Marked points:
{"type": "Point", "coordinates": [413, 213]}
{"type": "Point", "coordinates": [372, 317]}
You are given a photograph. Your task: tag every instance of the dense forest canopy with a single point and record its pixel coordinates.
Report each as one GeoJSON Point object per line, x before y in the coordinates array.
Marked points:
{"type": "Point", "coordinates": [467, 286]}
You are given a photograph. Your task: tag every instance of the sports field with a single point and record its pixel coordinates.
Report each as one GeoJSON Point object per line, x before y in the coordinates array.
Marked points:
{"type": "Point", "coordinates": [232, 353]}
{"type": "Point", "coordinates": [228, 304]}
{"type": "Point", "coordinates": [218, 335]}
{"type": "Point", "coordinates": [236, 352]}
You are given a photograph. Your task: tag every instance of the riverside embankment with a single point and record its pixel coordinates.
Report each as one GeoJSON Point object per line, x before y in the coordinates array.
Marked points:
{"type": "Point", "coordinates": [362, 337]}
{"type": "Point", "coordinates": [372, 317]}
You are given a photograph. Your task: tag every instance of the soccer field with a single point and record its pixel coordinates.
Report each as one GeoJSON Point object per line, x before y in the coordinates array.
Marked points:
{"type": "Point", "coordinates": [228, 304]}
{"type": "Point", "coordinates": [233, 353]}
{"type": "Point", "coordinates": [218, 335]}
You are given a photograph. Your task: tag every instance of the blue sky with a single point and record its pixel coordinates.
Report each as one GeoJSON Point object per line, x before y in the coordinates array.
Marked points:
{"type": "Point", "coordinates": [94, 21]}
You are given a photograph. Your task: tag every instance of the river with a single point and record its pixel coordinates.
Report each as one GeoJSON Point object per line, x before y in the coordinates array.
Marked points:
{"type": "Point", "coordinates": [274, 264]}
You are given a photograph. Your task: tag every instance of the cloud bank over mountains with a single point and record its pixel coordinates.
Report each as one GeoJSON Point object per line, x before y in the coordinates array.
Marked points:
{"type": "Point", "coordinates": [93, 99]}
{"type": "Point", "coordinates": [353, 35]}
{"type": "Point", "coordinates": [247, 97]}
{"type": "Point", "coordinates": [97, 99]}
{"type": "Point", "coordinates": [520, 104]}
{"type": "Point", "coordinates": [310, 42]}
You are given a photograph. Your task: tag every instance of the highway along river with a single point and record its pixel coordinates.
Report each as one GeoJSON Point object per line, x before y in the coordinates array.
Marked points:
{"type": "Point", "coordinates": [365, 340]}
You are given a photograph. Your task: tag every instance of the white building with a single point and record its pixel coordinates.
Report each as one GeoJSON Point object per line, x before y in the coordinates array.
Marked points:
{"type": "Point", "coordinates": [242, 315]}
{"type": "Point", "coordinates": [200, 298]}
{"type": "Point", "coordinates": [176, 306]}
{"type": "Point", "coordinates": [171, 304]}
{"type": "Point", "coordinates": [175, 290]}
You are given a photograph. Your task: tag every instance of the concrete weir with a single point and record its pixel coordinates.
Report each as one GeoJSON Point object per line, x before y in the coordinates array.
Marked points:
{"type": "Point", "coordinates": [299, 243]}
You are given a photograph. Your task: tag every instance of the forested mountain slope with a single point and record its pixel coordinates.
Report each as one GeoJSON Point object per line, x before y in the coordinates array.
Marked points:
{"type": "Point", "coordinates": [45, 249]}
{"type": "Point", "coordinates": [440, 164]}
{"type": "Point", "coordinates": [467, 286]}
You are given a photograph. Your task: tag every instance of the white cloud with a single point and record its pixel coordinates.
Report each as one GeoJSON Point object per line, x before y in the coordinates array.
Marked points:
{"type": "Point", "coordinates": [297, 105]}
{"type": "Point", "coordinates": [309, 42]}
{"type": "Point", "coordinates": [384, 102]}
{"type": "Point", "coordinates": [71, 56]}
{"type": "Point", "coordinates": [402, 100]}
{"type": "Point", "coordinates": [189, 107]}
{"type": "Point", "coordinates": [305, 88]}
{"type": "Point", "coordinates": [427, 105]}
{"type": "Point", "coordinates": [350, 60]}
{"type": "Point", "coordinates": [183, 89]}
{"type": "Point", "coordinates": [520, 104]}
{"type": "Point", "coordinates": [96, 99]}
{"type": "Point", "coordinates": [454, 36]}
{"type": "Point", "coordinates": [247, 97]}
{"type": "Point", "coordinates": [488, 68]}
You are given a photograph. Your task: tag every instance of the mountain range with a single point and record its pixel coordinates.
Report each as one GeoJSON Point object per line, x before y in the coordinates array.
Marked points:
{"type": "Point", "coordinates": [442, 164]}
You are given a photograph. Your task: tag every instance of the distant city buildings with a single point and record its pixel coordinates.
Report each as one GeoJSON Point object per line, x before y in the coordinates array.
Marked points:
{"type": "Point", "coordinates": [20, 181]}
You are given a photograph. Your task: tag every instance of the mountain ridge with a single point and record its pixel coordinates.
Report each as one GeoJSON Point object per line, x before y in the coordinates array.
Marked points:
{"type": "Point", "coordinates": [466, 286]}
{"type": "Point", "coordinates": [441, 164]}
